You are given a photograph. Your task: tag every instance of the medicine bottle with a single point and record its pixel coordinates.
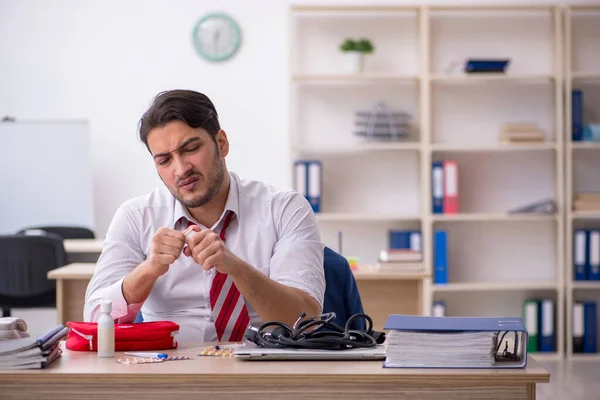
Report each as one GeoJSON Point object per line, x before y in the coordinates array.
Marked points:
{"type": "Point", "coordinates": [106, 331]}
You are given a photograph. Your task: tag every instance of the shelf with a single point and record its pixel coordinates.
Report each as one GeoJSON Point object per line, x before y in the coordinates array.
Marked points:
{"type": "Point", "coordinates": [498, 8]}
{"type": "Point", "coordinates": [442, 147]}
{"type": "Point", "coordinates": [579, 215]}
{"type": "Point", "coordinates": [364, 147]}
{"type": "Point", "coordinates": [586, 76]}
{"type": "Point", "coordinates": [494, 286]}
{"type": "Point", "coordinates": [353, 79]}
{"type": "Point", "coordinates": [588, 285]}
{"type": "Point", "coordinates": [585, 145]}
{"type": "Point", "coordinates": [360, 10]}
{"type": "Point", "coordinates": [487, 78]}
{"type": "Point", "coordinates": [364, 217]}
{"type": "Point", "coordinates": [485, 217]}
{"type": "Point", "coordinates": [370, 273]}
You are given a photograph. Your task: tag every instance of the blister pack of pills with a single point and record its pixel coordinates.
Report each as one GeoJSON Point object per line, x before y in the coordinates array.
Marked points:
{"type": "Point", "coordinates": [217, 351]}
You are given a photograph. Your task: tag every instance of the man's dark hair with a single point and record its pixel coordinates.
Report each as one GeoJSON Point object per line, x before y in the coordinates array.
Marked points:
{"type": "Point", "coordinates": [193, 108]}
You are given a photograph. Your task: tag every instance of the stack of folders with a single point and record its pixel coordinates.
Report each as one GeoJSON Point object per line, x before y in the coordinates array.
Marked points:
{"type": "Point", "coordinates": [454, 342]}
{"type": "Point", "coordinates": [32, 353]}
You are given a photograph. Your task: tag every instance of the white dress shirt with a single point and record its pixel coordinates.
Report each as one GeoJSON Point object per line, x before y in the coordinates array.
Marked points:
{"type": "Point", "coordinates": [274, 230]}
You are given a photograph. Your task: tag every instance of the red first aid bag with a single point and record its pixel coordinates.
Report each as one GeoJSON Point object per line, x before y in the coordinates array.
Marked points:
{"type": "Point", "coordinates": [157, 335]}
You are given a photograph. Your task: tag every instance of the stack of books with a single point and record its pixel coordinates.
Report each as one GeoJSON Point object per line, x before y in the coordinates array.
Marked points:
{"type": "Point", "coordinates": [31, 353]}
{"type": "Point", "coordinates": [586, 202]}
{"type": "Point", "coordinates": [527, 132]}
{"type": "Point", "coordinates": [400, 260]}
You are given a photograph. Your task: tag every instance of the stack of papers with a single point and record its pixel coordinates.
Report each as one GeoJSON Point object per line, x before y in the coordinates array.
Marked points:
{"type": "Point", "coordinates": [526, 132]}
{"type": "Point", "coordinates": [440, 350]}
{"type": "Point", "coordinates": [416, 341]}
{"type": "Point", "coordinates": [400, 260]}
{"type": "Point", "coordinates": [31, 353]}
{"type": "Point", "coordinates": [586, 202]}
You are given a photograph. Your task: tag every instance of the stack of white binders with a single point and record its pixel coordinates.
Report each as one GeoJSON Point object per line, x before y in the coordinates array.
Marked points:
{"type": "Point", "coordinates": [308, 181]}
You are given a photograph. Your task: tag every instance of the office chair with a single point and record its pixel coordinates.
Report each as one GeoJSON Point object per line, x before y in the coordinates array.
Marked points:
{"type": "Point", "coordinates": [24, 265]}
{"type": "Point", "coordinates": [341, 292]}
{"type": "Point", "coordinates": [65, 232]}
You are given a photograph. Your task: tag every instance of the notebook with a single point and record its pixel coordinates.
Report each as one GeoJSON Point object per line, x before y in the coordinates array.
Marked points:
{"type": "Point", "coordinates": [250, 351]}
{"type": "Point", "coordinates": [453, 342]}
{"type": "Point", "coordinates": [31, 353]}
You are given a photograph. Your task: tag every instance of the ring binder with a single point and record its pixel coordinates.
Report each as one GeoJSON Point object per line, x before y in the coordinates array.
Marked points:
{"type": "Point", "coordinates": [454, 342]}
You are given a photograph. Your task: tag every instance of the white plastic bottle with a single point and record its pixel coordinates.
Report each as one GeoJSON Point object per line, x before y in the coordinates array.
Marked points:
{"type": "Point", "coordinates": [106, 331]}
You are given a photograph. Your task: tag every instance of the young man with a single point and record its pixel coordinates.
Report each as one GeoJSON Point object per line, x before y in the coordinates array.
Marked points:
{"type": "Point", "coordinates": [254, 253]}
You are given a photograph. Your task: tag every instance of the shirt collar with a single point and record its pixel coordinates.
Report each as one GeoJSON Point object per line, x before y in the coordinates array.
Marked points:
{"type": "Point", "coordinates": [232, 204]}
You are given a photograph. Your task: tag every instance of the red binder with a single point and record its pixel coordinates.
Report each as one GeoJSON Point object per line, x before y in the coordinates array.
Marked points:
{"type": "Point", "coordinates": [450, 187]}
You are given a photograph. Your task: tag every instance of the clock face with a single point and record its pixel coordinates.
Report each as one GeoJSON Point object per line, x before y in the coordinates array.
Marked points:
{"type": "Point", "coordinates": [216, 37]}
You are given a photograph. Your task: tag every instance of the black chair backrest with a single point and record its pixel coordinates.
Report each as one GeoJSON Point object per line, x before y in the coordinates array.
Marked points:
{"type": "Point", "coordinates": [65, 232]}
{"type": "Point", "coordinates": [25, 262]}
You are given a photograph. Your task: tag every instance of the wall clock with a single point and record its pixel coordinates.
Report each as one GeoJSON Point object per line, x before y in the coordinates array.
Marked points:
{"type": "Point", "coordinates": [216, 37]}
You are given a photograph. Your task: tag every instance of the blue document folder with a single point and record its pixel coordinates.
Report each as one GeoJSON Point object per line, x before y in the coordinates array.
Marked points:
{"type": "Point", "coordinates": [420, 323]}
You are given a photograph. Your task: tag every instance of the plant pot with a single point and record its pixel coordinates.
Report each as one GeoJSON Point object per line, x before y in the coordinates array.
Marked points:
{"type": "Point", "coordinates": [353, 62]}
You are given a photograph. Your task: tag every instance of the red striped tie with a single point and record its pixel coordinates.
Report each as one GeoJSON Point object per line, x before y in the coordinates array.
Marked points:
{"type": "Point", "coordinates": [228, 305]}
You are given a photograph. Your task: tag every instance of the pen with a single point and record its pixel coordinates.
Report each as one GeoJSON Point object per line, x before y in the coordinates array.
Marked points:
{"type": "Point", "coordinates": [148, 355]}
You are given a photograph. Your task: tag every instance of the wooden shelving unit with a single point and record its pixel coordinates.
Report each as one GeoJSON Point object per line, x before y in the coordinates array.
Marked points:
{"type": "Point", "coordinates": [582, 70]}
{"type": "Point", "coordinates": [494, 286]}
{"type": "Point", "coordinates": [496, 217]}
{"type": "Point", "coordinates": [369, 217]}
{"type": "Point", "coordinates": [496, 259]}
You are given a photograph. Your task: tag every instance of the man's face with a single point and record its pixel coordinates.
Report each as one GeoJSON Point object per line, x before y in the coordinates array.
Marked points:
{"type": "Point", "coordinates": [189, 162]}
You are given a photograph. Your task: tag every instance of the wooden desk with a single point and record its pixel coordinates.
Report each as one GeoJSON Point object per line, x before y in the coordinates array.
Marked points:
{"type": "Point", "coordinates": [83, 250]}
{"type": "Point", "coordinates": [382, 294]}
{"type": "Point", "coordinates": [71, 283]}
{"type": "Point", "coordinates": [81, 374]}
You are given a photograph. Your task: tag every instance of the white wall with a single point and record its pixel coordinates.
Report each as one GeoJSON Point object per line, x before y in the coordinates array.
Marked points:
{"type": "Point", "coordinates": [105, 60]}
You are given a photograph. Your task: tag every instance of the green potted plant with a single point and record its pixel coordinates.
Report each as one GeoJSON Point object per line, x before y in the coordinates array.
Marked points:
{"type": "Point", "coordinates": [354, 51]}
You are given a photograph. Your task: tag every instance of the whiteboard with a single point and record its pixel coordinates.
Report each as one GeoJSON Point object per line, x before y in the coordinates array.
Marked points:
{"type": "Point", "coordinates": [45, 175]}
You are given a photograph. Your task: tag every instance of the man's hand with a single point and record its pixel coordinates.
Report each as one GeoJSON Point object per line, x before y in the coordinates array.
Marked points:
{"type": "Point", "coordinates": [165, 249]}
{"type": "Point", "coordinates": [208, 250]}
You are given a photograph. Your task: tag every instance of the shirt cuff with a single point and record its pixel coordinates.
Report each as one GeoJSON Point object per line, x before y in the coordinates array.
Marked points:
{"type": "Point", "coordinates": [121, 311]}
